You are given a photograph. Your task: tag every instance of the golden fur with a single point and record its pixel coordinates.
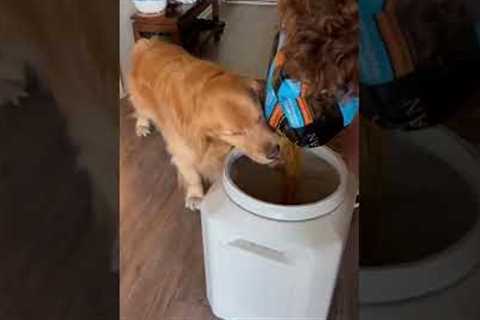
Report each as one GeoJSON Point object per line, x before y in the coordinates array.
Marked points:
{"type": "Point", "coordinates": [201, 110]}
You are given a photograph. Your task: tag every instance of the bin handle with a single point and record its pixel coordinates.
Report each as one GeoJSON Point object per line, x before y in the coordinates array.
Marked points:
{"type": "Point", "coordinates": [260, 250]}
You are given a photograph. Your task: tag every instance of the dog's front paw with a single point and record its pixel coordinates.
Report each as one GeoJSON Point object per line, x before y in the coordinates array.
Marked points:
{"type": "Point", "coordinates": [142, 127]}
{"type": "Point", "coordinates": [142, 130]}
{"type": "Point", "coordinates": [193, 203]}
{"type": "Point", "coordinates": [11, 93]}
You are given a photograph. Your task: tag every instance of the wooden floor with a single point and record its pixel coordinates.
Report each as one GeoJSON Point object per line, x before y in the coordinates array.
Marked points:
{"type": "Point", "coordinates": [160, 241]}
{"type": "Point", "coordinates": [162, 276]}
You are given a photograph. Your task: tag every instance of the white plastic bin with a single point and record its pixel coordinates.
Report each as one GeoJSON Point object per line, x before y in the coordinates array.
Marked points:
{"type": "Point", "coordinates": [268, 261]}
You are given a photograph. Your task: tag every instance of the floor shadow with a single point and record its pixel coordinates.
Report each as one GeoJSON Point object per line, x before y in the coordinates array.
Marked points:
{"type": "Point", "coordinates": [53, 262]}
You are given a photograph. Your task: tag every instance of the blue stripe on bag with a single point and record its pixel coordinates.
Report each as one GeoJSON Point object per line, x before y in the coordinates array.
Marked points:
{"type": "Point", "coordinates": [271, 98]}
{"type": "Point", "coordinates": [375, 66]}
{"type": "Point", "coordinates": [349, 109]}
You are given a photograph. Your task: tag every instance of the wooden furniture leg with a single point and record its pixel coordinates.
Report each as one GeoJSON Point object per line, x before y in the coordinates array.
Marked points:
{"type": "Point", "coordinates": [215, 11]}
{"type": "Point", "coordinates": [216, 20]}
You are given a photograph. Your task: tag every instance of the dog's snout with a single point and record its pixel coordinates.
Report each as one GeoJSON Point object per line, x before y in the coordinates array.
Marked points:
{"type": "Point", "coordinates": [274, 152]}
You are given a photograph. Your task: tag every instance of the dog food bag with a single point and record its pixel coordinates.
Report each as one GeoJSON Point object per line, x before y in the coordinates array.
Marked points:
{"type": "Point", "coordinates": [290, 110]}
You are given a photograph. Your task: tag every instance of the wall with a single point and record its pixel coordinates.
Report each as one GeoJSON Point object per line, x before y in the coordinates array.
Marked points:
{"type": "Point", "coordinates": [126, 39]}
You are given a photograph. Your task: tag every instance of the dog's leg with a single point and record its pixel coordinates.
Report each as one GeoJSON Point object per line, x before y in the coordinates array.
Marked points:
{"type": "Point", "coordinates": [212, 161]}
{"type": "Point", "coordinates": [144, 121]}
{"type": "Point", "coordinates": [192, 182]}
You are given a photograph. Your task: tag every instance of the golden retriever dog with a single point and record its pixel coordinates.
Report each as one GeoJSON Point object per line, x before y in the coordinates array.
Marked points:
{"type": "Point", "coordinates": [201, 110]}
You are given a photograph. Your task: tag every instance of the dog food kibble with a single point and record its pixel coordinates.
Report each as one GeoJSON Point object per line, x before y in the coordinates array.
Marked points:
{"type": "Point", "coordinates": [291, 158]}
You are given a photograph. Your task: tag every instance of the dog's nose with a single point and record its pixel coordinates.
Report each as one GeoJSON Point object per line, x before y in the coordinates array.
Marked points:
{"type": "Point", "coordinates": [274, 153]}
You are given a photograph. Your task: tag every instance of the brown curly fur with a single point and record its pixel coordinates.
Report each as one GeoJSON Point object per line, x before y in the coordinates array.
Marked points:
{"type": "Point", "coordinates": [322, 45]}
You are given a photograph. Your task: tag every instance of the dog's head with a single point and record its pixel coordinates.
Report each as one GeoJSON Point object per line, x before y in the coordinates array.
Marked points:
{"type": "Point", "coordinates": [233, 114]}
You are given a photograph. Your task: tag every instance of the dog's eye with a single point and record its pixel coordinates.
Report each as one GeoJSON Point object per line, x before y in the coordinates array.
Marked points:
{"type": "Point", "coordinates": [233, 133]}
{"type": "Point", "coordinates": [237, 133]}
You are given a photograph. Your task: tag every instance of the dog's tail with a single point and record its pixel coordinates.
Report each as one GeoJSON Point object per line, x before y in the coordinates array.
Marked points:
{"type": "Point", "coordinates": [141, 46]}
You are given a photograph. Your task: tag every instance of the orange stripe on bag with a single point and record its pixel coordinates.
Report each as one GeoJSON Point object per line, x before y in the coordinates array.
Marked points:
{"type": "Point", "coordinates": [307, 115]}
{"type": "Point", "coordinates": [280, 59]}
{"type": "Point", "coordinates": [276, 116]}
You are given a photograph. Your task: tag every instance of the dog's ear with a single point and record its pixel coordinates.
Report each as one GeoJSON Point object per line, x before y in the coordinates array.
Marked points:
{"type": "Point", "coordinates": [257, 89]}
{"type": "Point", "coordinates": [258, 85]}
